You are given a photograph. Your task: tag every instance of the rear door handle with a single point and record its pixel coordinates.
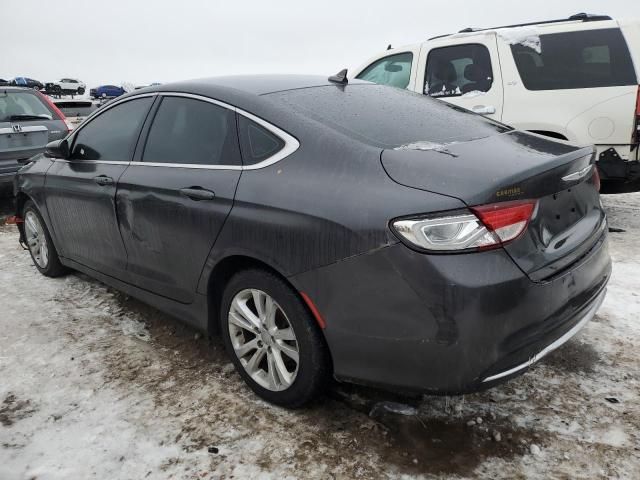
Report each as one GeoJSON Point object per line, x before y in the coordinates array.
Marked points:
{"type": "Point", "coordinates": [197, 193]}
{"type": "Point", "coordinates": [484, 110]}
{"type": "Point", "coordinates": [103, 180]}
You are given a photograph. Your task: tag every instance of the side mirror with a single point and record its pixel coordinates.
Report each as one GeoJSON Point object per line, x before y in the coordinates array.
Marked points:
{"type": "Point", "coordinates": [57, 149]}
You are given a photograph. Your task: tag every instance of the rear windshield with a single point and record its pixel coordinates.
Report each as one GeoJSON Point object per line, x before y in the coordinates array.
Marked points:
{"type": "Point", "coordinates": [21, 105]}
{"type": "Point", "coordinates": [586, 59]}
{"type": "Point", "coordinates": [76, 109]}
{"type": "Point", "coordinates": [388, 117]}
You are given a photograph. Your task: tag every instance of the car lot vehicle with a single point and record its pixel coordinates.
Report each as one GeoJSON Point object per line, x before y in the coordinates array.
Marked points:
{"type": "Point", "coordinates": [66, 86]}
{"type": "Point", "coordinates": [322, 230]}
{"type": "Point", "coordinates": [27, 82]}
{"type": "Point", "coordinates": [573, 79]}
{"type": "Point", "coordinates": [74, 110]}
{"type": "Point", "coordinates": [106, 91]}
{"type": "Point", "coordinates": [4, 82]}
{"type": "Point", "coordinates": [28, 121]}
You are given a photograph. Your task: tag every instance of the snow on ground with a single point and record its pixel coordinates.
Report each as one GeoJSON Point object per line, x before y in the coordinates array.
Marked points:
{"type": "Point", "coordinates": [96, 385]}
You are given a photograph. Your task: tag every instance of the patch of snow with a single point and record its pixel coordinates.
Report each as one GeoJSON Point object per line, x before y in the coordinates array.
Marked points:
{"type": "Point", "coordinates": [527, 36]}
{"type": "Point", "coordinates": [473, 94]}
{"type": "Point", "coordinates": [426, 146]}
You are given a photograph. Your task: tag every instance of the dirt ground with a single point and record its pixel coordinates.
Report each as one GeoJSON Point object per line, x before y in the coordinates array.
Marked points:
{"type": "Point", "coordinates": [94, 384]}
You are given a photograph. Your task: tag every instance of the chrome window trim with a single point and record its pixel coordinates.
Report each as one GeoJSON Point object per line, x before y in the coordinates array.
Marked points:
{"type": "Point", "coordinates": [291, 144]}
{"type": "Point", "coordinates": [103, 162]}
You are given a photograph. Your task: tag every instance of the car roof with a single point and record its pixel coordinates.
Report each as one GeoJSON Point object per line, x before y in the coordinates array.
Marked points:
{"type": "Point", "coordinates": [15, 88]}
{"type": "Point", "coordinates": [248, 84]}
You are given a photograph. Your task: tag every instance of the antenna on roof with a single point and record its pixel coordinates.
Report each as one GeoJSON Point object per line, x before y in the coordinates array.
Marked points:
{"type": "Point", "coordinates": [389, 47]}
{"type": "Point", "coordinates": [340, 77]}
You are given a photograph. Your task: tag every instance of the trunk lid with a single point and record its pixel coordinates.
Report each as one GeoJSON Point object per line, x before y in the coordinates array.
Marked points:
{"type": "Point", "coordinates": [18, 142]}
{"type": "Point", "coordinates": [568, 219]}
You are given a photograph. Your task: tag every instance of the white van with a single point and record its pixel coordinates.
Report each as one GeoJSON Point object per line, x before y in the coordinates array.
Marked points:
{"type": "Point", "coordinates": [575, 80]}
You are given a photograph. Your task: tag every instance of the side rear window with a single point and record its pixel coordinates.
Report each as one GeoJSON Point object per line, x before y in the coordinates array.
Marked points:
{"type": "Point", "coordinates": [257, 143]}
{"type": "Point", "coordinates": [394, 70]}
{"type": "Point", "coordinates": [112, 135]}
{"type": "Point", "coordinates": [585, 59]}
{"type": "Point", "coordinates": [192, 132]}
{"type": "Point", "coordinates": [454, 71]}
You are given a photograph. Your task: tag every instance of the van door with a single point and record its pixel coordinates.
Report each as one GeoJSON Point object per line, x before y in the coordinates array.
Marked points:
{"type": "Point", "coordinates": [465, 72]}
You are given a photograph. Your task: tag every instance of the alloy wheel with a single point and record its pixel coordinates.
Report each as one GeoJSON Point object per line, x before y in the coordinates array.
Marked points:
{"type": "Point", "coordinates": [263, 339]}
{"type": "Point", "coordinates": [36, 239]}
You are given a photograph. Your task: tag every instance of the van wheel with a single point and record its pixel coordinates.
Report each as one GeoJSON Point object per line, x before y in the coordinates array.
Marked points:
{"type": "Point", "coordinates": [272, 339]}
{"type": "Point", "coordinates": [43, 253]}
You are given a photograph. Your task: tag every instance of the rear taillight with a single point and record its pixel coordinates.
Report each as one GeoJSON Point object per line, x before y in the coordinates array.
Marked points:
{"type": "Point", "coordinates": [596, 178]}
{"type": "Point", "coordinates": [55, 109]}
{"type": "Point", "coordinates": [486, 227]}
{"type": "Point", "coordinates": [507, 220]}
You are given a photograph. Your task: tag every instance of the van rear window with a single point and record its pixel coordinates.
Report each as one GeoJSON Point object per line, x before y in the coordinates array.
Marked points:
{"type": "Point", "coordinates": [585, 59]}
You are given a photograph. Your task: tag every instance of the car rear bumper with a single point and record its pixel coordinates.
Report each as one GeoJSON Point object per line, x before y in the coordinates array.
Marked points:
{"type": "Point", "coordinates": [448, 324]}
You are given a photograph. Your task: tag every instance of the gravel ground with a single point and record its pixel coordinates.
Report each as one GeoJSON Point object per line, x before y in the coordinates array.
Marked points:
{"type": "Point", "coordinates": [97, 385]}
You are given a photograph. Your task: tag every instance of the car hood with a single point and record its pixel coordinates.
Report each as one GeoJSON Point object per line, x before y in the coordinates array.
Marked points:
{"type": "Point", "coordinates": [500, 167]}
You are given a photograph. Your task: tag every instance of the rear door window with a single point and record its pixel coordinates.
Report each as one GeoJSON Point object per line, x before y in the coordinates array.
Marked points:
{"type": "Point", "coordinates": [394, 70]}
{"type": "Point", "coordinates": [192, 132]}
{"type": "Point", "coordinates": [459, 69]}
{"type": "Point", "coordinates": [586, 59]}
{"type": "Point", "coordinates": [112, 135]}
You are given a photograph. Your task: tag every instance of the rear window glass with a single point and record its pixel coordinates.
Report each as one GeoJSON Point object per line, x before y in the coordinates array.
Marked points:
{"type": "Point", "coordinates": [21, 106]}
{"type": "Point", "coordinates": [194, 132]}
{"type": "Point", "coordinates": [587, 59]}
{"type": "Point", "coordinates": [257, 143]}
{"type": "Point", "coordinates": [76, 109]}
{"type": "Point", "coordinates": [388, 117]}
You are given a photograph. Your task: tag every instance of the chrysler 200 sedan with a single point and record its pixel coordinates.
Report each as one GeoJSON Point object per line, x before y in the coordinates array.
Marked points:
{"type": "Point", "coordinates": [327, 228]}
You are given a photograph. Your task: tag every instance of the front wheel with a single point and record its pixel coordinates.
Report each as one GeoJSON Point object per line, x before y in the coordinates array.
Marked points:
{"type": "Point", "coordinates": [272, 339]}
{"type": "Point", "coordinates": [43, 253]}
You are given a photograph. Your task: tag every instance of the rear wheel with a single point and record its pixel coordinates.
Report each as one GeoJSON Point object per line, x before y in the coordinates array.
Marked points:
{"type": "Point", "coordinates": [43, 253]}
{"type": "Point", "coordinates": [273, 341]}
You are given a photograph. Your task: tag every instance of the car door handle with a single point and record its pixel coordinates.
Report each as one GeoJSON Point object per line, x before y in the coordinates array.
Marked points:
{"type": "Point", "coordinates": [197, 193]}
{"type": "Point", "coordinates": [484, 110]}
{"type": "Point", "coordinates": [103, 180]}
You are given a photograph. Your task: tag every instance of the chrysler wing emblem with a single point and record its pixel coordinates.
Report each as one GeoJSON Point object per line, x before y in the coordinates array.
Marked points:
{"type": "Point", "coordinates": [16, 128]}
{"type": "Point", "coordinates": [578, 175]}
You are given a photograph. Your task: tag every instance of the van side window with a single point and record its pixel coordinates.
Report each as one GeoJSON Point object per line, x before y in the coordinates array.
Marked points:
{"type": "Point", "coordinates": [454, 71]}
{"type": "Point", "coordinates": [394, 70]}
{"type": "Point", "coordinates": [573, 60]}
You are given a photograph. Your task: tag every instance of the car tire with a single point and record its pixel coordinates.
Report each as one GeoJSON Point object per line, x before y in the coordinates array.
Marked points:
{"type": "Point", "coordinates": [276, 377]}
{"type": "Point", "coordinates": [80, 91]}
{"type": "Point", "coordinates": [43, 252]}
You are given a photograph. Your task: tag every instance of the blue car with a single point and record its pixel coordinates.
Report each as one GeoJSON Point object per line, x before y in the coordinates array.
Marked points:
{"type": "Point", "coordinates": [107, 91]}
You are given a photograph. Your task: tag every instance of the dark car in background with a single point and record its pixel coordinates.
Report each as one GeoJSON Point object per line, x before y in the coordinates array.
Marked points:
{"type": "Point", "coordinates": [106, 91]}
{"type": "Point", "coordinates": [28, 121]}
{"type": "Point", "coordinates": [27, 82]}
{"type": "Point", "coordinates": [4, 82]}
{"type": "Point", "coordinates": [328, 228]}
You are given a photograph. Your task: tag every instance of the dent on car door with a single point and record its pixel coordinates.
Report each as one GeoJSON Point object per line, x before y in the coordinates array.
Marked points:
{"type": "Point", "coordinates": [175, 197]}
{"type": "Point", "coordinates": [80, 190]}
{"type": "Point", "coordinates": [467, 75]}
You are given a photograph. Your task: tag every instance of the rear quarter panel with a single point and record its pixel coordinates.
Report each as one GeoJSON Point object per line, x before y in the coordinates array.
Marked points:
{"type": "Point", "coordinates": [328, 201]}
